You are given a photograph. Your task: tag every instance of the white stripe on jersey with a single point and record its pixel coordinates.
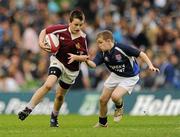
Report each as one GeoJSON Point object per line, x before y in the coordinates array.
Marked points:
{"type": "Point", "coordinates": [131, 59]}
{"type": "Point", "coordinates": [82, 34]}
{"type": "Point", "coordinates": [86, 46]}
{"type": "Point", "coordinates": [59, 30]}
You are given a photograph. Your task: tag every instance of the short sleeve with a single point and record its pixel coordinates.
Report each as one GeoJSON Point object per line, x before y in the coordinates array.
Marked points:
{"type": "Point", "coordinates": [130, 51]}
{"type": "Point", "coordinates": [98, 60]}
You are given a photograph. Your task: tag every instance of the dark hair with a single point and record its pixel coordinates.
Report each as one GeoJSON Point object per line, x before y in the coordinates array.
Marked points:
{"type": "Point", "coordinates": [77, 13]}
{"type": "Point", "coordinates": [106, 34]}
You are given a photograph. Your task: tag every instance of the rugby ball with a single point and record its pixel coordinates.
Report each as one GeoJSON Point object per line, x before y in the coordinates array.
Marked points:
{"type": "Point", "coordinates": [52, 41]}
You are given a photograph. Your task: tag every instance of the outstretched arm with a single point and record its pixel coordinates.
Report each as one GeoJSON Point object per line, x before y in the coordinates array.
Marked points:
{"type": "Point", "coordinates": [90, 63]}
{"type": "Point", "coordinates": [148, 61]}
{"type": "Point", "coordinates": [80, 58]}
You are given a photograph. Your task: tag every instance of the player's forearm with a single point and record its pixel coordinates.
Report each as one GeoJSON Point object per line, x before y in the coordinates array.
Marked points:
{"type": "Point", "coordinates": [41, 41]}
{"type": "Point", "coordinates": [146, 59]}
{"type": "Point", "coordinates": [81, 58]}
{"type": "Point", "coordinates": [41, 38]}
{"type": "Point", "coordinates": [90, 63]}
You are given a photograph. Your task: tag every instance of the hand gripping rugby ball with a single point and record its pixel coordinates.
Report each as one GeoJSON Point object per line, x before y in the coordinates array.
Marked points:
{"type": "Point", "coordinates": [52, 41]}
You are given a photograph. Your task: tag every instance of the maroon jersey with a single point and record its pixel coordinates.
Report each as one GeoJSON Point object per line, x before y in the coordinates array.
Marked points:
{"type": "Point", "coordinates": [68, 44]}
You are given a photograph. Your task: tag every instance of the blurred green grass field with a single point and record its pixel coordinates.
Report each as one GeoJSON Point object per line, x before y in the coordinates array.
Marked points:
{"type": "Point", "coordinates": [82, 126]}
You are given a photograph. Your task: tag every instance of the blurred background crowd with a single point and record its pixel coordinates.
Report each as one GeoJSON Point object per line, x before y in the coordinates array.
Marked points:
{"type": "Point", "coordinates": [151, 25]}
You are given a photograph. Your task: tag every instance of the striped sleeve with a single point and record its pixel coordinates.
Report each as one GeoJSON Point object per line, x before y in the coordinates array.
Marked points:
{"type": "Point", "coordinates": [56, 28]}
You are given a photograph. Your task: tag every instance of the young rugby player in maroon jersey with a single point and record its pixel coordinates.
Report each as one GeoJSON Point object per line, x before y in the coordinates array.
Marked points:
{"type": "Point", "coordinates": [64, 64]}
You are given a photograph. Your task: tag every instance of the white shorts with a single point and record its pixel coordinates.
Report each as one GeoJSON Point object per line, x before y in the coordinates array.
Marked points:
{"type": "Point", "coordinates": [127, 83]}
{"type": "Point", "coordinates": [66, 76]}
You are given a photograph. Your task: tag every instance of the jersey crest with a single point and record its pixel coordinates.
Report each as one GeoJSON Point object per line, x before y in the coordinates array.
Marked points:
{"type": "Point", "coordinates": [78, 46]}
{"type": "Point", "coordinates": [118, 57]}
{"type": "Point", "coordinates": [61, 38]}
{"type": "Point", "coordinates": [106, 59]}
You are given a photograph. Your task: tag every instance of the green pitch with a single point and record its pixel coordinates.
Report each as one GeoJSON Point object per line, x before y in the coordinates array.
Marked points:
{"type": "Point", "coordinates": [82, 126]}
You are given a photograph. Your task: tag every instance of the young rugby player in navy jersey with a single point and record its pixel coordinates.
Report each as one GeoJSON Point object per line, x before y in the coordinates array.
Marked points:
{"type": "Point", "coordinates": [64, 65]}
{"type": "Point", "coordinates": [120, 60]}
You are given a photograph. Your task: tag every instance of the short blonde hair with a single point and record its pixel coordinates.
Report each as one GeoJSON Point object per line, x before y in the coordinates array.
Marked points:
{"type": "Point", "coordinates": [106, 34]}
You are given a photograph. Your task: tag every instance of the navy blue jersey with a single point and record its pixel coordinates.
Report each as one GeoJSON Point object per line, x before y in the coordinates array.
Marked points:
{"type": "Point", "coordinates": [120, 60]}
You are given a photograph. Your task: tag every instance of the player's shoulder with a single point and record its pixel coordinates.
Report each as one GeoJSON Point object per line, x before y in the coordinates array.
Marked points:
{"type": "Point", "coordinates": [122, 46]}
{"type": "Point", "coordinates": [63, 27]}
{"type": "Point", "coordinates": [59, 27]}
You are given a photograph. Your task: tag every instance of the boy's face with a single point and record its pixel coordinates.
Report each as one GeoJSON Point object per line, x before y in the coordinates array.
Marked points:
{"type": "Point", "coordinates": [76, 25]}
{"type": "Point", "coordinates": [104, 45]}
